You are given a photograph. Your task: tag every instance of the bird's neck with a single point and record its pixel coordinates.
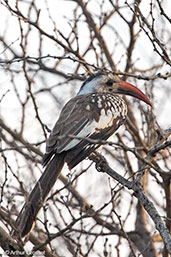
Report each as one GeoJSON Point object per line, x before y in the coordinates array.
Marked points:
{"type": "Point", "coordinates": [88, 88]}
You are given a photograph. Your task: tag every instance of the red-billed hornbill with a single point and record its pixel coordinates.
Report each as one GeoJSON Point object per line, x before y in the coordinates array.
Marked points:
{"type": "Point", "coordinates": [96, 113]}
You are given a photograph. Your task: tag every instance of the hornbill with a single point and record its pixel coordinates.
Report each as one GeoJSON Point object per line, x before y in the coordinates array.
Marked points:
{"type": "Point", "coordinates": [95, 113]}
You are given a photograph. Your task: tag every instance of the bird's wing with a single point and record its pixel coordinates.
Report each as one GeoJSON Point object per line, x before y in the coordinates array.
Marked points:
{"type": "Point", "coordinates": [90, 144]}
{"type": "Point", "coordinates": [73, 118]}
{"type": "Point", "coordinates": [82, 116]}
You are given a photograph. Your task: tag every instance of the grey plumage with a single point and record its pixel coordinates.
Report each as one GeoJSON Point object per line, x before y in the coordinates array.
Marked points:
{"type": "Point", "coordinates": [96, 113]}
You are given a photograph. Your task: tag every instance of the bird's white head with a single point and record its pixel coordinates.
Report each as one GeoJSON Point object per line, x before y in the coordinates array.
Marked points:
{"type": "Point", "coordinates": [109, 83]}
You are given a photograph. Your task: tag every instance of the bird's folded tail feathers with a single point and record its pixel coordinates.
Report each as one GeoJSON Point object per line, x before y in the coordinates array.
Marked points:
{"type": "Point", "coordinates": [28, 214]}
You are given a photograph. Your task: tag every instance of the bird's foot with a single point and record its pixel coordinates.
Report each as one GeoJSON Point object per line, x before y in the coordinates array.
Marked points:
{"type": "Point", "coordinates": [99, 160]}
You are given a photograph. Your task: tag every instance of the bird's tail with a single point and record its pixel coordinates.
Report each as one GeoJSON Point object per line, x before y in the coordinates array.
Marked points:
{"type": "Point", "coordinates": [27, 216]}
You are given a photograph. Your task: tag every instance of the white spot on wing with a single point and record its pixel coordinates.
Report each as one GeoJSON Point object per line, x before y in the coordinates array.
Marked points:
{"type": "Point", "coordinates": [108, 112]}
{"type": "Point", "coordinates": [99, 104]}
{"type": "Point", "coordinates": [102, 113]}
{"type": "Point", "coordinates": [88, 107]}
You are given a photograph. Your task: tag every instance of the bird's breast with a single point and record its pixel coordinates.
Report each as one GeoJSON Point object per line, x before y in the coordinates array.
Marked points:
{"type": "Point", "coordinates": [108, 107]}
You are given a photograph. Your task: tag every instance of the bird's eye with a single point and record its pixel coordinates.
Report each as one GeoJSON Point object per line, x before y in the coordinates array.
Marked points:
{"type": "Point", "coordinates": [109, 83]}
